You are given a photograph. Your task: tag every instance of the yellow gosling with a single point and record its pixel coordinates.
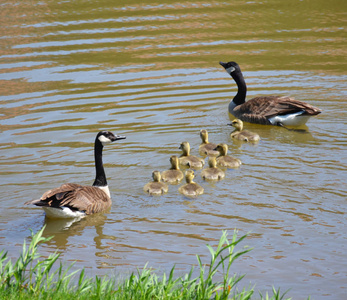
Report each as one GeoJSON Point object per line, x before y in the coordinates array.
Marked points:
{"type": "Point", "coordinates": [191, 188]}
{"type": "Point", "coordinates": [243, 135]}
{"type": "Point", "coordinates": [212, 172]}
{"type": "Point", "coordinates": [156, 187]}
{"type": "Point", "coordinates": [174, 174]}
{"type": "Point", "coordinates": [205, 147]}
{"type": "Point", "coordinates": [224, 160]}
{"type": "Point", "coordinates": [189, 160]}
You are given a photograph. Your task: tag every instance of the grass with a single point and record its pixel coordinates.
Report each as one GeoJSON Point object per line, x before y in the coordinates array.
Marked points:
{"type": "Point", "coordinates": [31, 276]}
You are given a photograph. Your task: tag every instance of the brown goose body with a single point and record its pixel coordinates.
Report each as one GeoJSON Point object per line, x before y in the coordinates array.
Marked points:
{"type": "Point", "coordinates": [156, 187]}
{"type": "Point", "coordinates": [266, 110]}
{"type": "Point", "coordinates": [206, 148]}
{"type": "Point", "coordinates": [79, 199]}
{"type": "Point", "coordinates": [174, 174]}
{"type": "Point", "coordinates": [212, 172]}
{"type": "Point", "coordinates": [72, 200]}
{"type": "Point", "coordinates": [188, 160]}
{"type": "Point", "coordinates": [191, 188]}
{"type": "Point", "coordinates": [224, 160]}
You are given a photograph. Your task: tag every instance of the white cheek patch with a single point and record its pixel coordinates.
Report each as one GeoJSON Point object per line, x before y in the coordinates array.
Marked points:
{"type": "Point", "coordinates": [104, 140]}
{"type": "Point", "coordinates": [230, 70]}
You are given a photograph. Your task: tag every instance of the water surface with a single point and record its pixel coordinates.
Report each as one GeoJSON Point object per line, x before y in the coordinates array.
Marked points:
{"type": "Point", "coordinates": [150, 71]}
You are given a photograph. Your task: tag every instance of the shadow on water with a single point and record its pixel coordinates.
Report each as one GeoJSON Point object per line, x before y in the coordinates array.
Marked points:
{"type": "Point", "coordinates": [63, 230]}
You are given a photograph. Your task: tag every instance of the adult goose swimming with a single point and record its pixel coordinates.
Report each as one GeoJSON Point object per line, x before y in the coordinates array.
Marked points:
{"type": "Point", "coordinates": [266, 110]}
{"type": "Point", "coordinates": [72, 200]}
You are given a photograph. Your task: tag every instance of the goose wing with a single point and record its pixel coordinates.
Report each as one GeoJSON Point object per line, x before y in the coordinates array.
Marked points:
{"type": "Point", "coordinates": [89, 199]}
{"type": "Point", "coordinates": [262, 108]}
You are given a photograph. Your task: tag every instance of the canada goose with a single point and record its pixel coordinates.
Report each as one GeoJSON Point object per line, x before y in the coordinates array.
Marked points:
{"type": "Point", "coordinates": [72, 200]}
{"type": "Point", "coordinates": [191, 188]}
{"type": "Point", "coordinates": [189, 160]}
{"type": "Point", "coordinates": [156, 187]}
{"type": "Point", "coordinates": [224, 160]}
{"type": "Point", "coordinates": [206, 148]}
{"type": "Point", "coordinates": [243, 135]}
{"type": "Point", "coordinates": [212, 172]}
{"type": "Point", "coordinates": [174, 174]}
{"type": "Point", "coordinates": [266, 110]}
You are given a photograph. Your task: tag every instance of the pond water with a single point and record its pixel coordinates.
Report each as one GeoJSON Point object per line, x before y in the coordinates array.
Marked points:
{"type": "Point", "coordinates": [150, 71]}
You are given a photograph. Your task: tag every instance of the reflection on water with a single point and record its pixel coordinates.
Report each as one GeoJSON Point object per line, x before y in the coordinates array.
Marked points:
{"type": "Point", "coordinates": [150, 71]}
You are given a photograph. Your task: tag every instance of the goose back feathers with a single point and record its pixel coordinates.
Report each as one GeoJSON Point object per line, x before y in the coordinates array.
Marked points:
{"type": "Point", "coordinates": [74, 200]}
{"type": "Point", "coordinates": [267, 110]}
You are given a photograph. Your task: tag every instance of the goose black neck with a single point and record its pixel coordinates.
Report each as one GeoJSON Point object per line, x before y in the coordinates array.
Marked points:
{"type": "Point", "coordinates": [100, 177]}
{"type": "Point", "coordinates": [240, 97]}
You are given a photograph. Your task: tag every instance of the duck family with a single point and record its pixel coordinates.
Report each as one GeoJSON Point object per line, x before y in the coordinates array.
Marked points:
{"type": "Point", "coordinates": [72, 200]}
{"type": "Point", "coordinates": [218, 162]}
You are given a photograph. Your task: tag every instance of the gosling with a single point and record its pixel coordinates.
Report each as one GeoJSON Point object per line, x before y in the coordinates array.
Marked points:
{"type": "Point", "coordinates": [243, 135]}
{"type": "Point", "coordinates": [224, 160]}
{"type": "Point", "coordinates": [189, 160]}
{"type": "Point", "coordinates": [156, 187]}
{"type": "Point", "coordinates": [174, 174]}
{"type": "Point", "coordinates": [191, 188]}
{"type": "Point", "coordinates": [212, 172]}
{"type": "Point", "coordinates": [205, 147]}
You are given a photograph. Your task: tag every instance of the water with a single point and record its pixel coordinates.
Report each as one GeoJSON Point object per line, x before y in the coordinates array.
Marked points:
{"type": "Point", "coordinates": [150, 71]}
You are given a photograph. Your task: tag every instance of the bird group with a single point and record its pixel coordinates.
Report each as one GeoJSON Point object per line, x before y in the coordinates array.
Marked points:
{"type": "Point", "coordinates": [75, 201]}
{"type": "Point", "coordinates": [218, 161]}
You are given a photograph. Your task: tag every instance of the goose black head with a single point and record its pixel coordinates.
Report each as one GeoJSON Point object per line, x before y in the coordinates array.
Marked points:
{"type": "Point", "coordinates": [230, 66]}
{"type": "Point", "coordinates": [107, 137]}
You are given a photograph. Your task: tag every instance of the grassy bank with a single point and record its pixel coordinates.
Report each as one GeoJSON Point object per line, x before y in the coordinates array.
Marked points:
{"type": "Point", "coordinates": [31, 276]}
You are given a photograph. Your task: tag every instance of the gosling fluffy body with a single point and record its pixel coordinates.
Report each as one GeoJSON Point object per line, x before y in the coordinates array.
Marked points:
{"type": "Point", "coordinates": [224, 160]}
{"type": "Point", "coordinates": [243, 135]}
{"type": "Point", "coordinates": [191, 188]}
{"type": "Point", "coordinates": [212, 172]}
{"type": "Point", "coordinates": [206, 148]}
{"type": "Point", "coordinates": [156, 187]}
{"type": "Point", "coordinates": [189, 160]}
{"type": "Point", "coordinates": [174, 174]}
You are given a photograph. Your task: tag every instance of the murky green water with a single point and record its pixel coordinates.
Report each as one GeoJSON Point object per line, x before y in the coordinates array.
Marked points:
{"type": "Point", "coordinates": [150, 71]}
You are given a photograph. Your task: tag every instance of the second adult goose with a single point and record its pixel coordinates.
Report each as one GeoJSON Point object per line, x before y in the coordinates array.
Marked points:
{"type": "Point", "coordinates": [72, 200]}
{"type": "Point", "coordinates": [243, 135]}
{"type": "Point", "coordinates": [186, 159]}
{"type": "Point", "coordinates": [267, 110]}
{"type": "Point", "coordinates": [224, 160]}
